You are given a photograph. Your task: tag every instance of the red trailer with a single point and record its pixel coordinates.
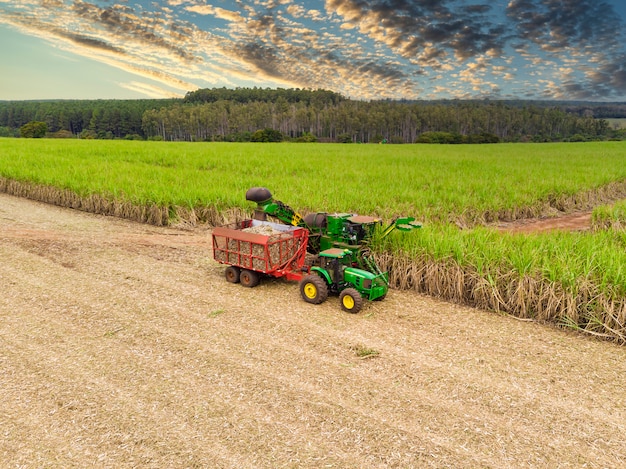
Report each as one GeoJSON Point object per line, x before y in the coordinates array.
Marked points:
{"type": "Point", "coordinates": [253, 247]}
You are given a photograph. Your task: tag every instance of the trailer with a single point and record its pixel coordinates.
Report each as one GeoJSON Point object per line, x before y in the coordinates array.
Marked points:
{"type": "Point", "coordinates": [253, 248]}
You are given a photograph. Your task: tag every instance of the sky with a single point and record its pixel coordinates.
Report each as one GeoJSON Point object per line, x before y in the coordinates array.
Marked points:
{"type": "Point", "coordinates": [361, 49]}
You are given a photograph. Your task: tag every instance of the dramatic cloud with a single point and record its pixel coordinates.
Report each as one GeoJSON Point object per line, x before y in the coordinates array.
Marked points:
{"type": "Point", "coordinates": [411, 28]}
{"type": "Point", "coordinates": [370, 49]}
{"type": "Point", "coordinates": [559, 24]}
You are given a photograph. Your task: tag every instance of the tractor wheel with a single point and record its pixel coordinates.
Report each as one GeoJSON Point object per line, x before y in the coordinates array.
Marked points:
{"type": "Point", "coordinates": [232, 274]}
{"type": "Point", "coordinates": [249, 278]}
{"type": "Point", "coordinates": [351, 300]}
{"type": "Point", "coordinates": [313, 289]}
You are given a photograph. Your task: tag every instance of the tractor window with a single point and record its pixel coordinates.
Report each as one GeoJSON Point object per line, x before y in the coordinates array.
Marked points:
{"type": "Point", "coordinates": [334, 267]}
{"type": "Point", "coordinates": [356, 232]}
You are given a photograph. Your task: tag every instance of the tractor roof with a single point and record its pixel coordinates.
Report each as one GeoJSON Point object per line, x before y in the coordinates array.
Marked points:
{"type": "Point", "coordinates": [363, 219]}
{"type": "Point", "coordinates": [335, 252]}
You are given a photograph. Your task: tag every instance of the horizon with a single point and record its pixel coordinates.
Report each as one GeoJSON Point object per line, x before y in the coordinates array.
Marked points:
{"type": "Point", "coordinates": [400, 100]}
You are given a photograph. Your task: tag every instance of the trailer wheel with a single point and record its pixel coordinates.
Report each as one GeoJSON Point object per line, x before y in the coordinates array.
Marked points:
{"type": "Point", "coordinates": [249, 278]}
{"type": "Point", "coordinates": [313, 289]}
{"type": "Point", "coordinates": [232, 274]}
{"type": "Point", "coordinates": [351, 300]}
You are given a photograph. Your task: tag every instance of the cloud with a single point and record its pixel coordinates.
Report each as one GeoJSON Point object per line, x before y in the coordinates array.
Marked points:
{"type": "Point", "coordinates": [262, 58]}
{"type": "Point", "coordinates": [279, 48]}
{"type": "Point", "coordinates": [424, 29]}
{"type": "Point", "coordinates": [89, 42]}
{"type": "Point", "coordinates": [362, 48]}
{"type": "Point", "coordinates": [125, 48]}
{"type": "Point", "coordinates": [150, 91]}
{"type": "Point", "coordinates": [122, 21]}
{"type": "Point", "coordinates": [297, 11]}
{"type": "Point", "coordinates": [559, 24]}
{"type": "Point", "coordinates": [215, 11]}
{"type": "Point", "coordinates": [579, 32]}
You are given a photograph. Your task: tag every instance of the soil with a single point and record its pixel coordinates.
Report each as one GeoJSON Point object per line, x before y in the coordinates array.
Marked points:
{"type": "Point", "coordinates": [122, 345]}
{"type": "Point", "coordinates": [577, 221]}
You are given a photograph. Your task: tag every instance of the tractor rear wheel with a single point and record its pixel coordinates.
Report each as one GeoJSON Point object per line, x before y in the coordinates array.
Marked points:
{"type": "Point", "coordinates": [232, 274]}
{"type": "Point", "coordinates": [351, 300]}
{"type": "Point", "coordinates": [249, 278]}
{"type": "Point", "coordinates": [313, 289]}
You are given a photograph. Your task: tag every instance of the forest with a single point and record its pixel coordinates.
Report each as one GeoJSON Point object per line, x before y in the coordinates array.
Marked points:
{"type": "Point", "coordinates": [256, 114]}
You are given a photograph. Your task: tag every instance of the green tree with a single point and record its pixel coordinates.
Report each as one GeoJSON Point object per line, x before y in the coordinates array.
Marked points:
{"type": "Point", "coordinates": [6, 132]}
{"type": "Point", "coordinates": [34, 129]}
{"type": "Point", "coordinates": [306, 137]}
{"type": "Point", "coordinates": [267, 135]}
{"type": "Point", "coordinates": [62, 134]}
{"type": "Point", "coordinates": [440, 137]}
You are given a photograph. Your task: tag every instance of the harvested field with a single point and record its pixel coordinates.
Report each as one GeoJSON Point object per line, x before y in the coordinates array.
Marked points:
{"type": "Point", "coordinates": [121, 345]}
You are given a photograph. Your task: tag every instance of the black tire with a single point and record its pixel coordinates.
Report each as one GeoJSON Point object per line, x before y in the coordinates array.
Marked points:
{"type": "Point", "coordinates": [313, 289]}
{"type": "Point", "coordinates": [258, 194]}
{"type": "Point", "coordinates": [351, 300]}
{"type": "Point", "coordinates": [232, 274]}
{"type": "Point", "coordinates": [249, 278]}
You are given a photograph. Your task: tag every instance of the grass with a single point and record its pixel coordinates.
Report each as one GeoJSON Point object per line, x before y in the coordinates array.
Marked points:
{"type": "Point", "coordinates": [576, 279]}
{"type": "Point", "coordinates": [464, 184]}
{"type": "Point", "coordinates": [216, 313]}
{"type": "Point", "coordinates": [610, 216]}
{"type": "Point", "coordinates": [558, 256]}
{"type": "Point", "coordinates": [363, 352]}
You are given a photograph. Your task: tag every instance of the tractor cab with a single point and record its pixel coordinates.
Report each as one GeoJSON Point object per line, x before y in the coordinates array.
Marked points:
{"type": "Point", "coordinates": [334, 261]}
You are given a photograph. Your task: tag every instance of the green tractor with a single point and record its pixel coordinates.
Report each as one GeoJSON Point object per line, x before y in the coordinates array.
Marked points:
{"type": "Point", "coordinates": [335, 274]}
{"type": "Point", "coordinates": [340, 242]}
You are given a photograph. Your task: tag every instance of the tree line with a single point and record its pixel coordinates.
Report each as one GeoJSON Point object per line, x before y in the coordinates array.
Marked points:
{"type": "Point", "coordinates": [255, 114]}
{"type": "Point", "coordinates": [75, 118]}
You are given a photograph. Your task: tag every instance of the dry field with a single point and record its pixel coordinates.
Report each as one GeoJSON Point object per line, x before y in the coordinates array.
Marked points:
{"type": "Point", "coordinates": [121, 345]}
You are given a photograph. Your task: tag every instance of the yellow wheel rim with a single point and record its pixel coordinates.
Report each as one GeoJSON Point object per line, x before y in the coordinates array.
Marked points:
{"type": "Point", "coordinates": [310, 290]}
{"type": "Point", "coordinates": [348, 302]}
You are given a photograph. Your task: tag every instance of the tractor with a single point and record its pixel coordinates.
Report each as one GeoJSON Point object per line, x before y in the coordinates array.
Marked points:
{"type": "Point", "coordinates": [335, 274]}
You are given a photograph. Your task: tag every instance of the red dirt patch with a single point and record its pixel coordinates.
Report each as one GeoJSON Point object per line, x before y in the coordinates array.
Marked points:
{"type": "Point", "coordinates": [578, 221]}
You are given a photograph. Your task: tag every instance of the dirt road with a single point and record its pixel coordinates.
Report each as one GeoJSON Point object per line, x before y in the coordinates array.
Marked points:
{"type": "Point", "coordinates": [577, 221]}
{"type": "Point", "coordinates": [121, 345]}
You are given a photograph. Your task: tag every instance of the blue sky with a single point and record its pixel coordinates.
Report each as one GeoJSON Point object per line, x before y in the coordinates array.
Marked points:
{"type": "Point", "coordinates": [363, 49]}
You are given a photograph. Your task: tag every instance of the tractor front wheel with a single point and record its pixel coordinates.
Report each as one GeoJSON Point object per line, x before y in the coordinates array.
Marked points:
{"type": "Point", "coordinates": [249, 278]}
{"type": "Point", "coordinates": [313, 289]}
{"type": "Point", "coordinates": [351, 300]}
